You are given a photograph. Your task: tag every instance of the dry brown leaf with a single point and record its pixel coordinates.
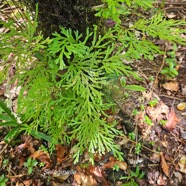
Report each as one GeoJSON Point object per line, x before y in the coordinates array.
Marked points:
{"type": "Point", "coordinates": [21, 147]}
{"type": "Point", "coordinates": [98, 174]}
{"type": "Point", "coordinates": [164, 165]}
{"type": "Point", "coordinates": [124, 141]}
{"type": "Point", "coordinates": [171, 121]}
{"type": "Point", "coordinates": [28, 182]}
{"type": "Point", "coordinates": [110, 119]}
{"type": "Point", "coordinates": [184, 90]}
{"type": "Point", "coordinates": [84, 180]}
{"type": "Point", "coordinates": [171, 15]}
{"type": "Point", "coordinates": [179, 176]}
{"type": "Point", "coordinates": [2, 91]}
{"type": "Point", "coordinates": [182, 164]}
{"type": "Point", "coordinates": [43, 157]}
{"type": "Point", "coordinates": [61, 152]}
{"type": "Point", "coordinates": [122, 165]}
{"type": "Point", "coordinates": [161, 181]}
{"type": "Point", "coordinates": [172, 86]}
{"type": "Point", "coordinates": [157, 113]}
{"type": "Point", "coordinates": [61, 177]}
{"type": "Point", "coordinates": [181, 106]}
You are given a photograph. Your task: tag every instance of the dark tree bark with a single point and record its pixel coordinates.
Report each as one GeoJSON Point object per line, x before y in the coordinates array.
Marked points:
{"type": "Point", "coordinates": [74, 14]}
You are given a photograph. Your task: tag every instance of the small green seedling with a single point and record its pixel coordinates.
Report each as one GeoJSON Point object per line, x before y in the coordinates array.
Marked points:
{"type": "Point", "coordinates": [132, 136]}
{"type": "Point", "coordinates": [142, 107]}
{"type": "Point", "coordinates": [30, 164]}
{"type": "Point", "coordinates": [131, 177]}
{"type": "Point", "coordinates": [152, 143]}
{"type": "Point", "coordinates": [41, 164]}
{"type": "Point", "coordinates": [153, 102]}
{"type": "Point", "coordinates": [170, 70]}
{"type": "Point", "coordinates": [5, 163]}
{"type": "Point", "coordinates": [135, 112]}
{"type": "Point", "coordinates": [163, 122]}
{"type": "Point", "coordinates": [3, 180]}
{"type": "Point", "coordinates": [138, 148]}
{"type": "Point", "coordinates": [148, 121]}
{"type": "Point", "coordinates": [115, 167]}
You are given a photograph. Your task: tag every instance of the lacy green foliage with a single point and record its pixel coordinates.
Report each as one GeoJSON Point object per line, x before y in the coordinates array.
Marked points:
{"type": "Point", "coordinates": [112, 10]}
{"type": "Point", "coordinates": [70, 104]}
{"type": "Point", "coordinates": [116, 9]}
{"type": "Point", "coordinates": [136, 47]}
{"type": "Point", "coordinates": [20, 40]}
{"type": "Point", "coordinates": [136, 42]}
{"type": "Point", "coordinates": [62, 88]}
{"type": "Point", "coordinates": [7, 119]}
{"type": "Point", "coordinates": [158, 26]}
{"type": "Point", "coordinates": [136, 38]}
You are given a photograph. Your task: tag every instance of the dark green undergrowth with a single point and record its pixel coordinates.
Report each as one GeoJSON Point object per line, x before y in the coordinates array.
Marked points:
{"type": "Point", "coordinates": [62, 77]}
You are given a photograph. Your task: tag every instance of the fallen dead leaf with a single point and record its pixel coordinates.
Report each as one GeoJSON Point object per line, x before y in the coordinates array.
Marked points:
{"type": "Point", "coordinates": [164, 165]}
{"type": "Point", "coordinates": [155, 158]}
{"type": "Point", "coordinates": [161, 181]}
{"type": "Point", "coordinates": [179, 176]}
{"type": "Point", "coordinates": [122, 165]}
{"type": "Point", "coordinates": [124, 141]}
{"type": "Point", "coordinates": [172, 86]}
{"type": "Point", "coordinates": [157, 113]}
{"type": "Point", "coordinates": [21, 147]}
{"type": "Point", "coordinates": [60, 178]}
{"type": "Point", "coordinates": [110, 119]}
{"type": "Point", "coordinates": [182, 164]}
{"type": "Point", "coordinates": [171, 15]}
{"type": "Point", "coordinates": [181, 106]}
{"type": "Point", "coordinates": [172, 120]}
{"type": "Point", "coordinates": [183, 90]}
{"type": "Point", "coordinates": [61, 152]}
{"type": "Point", "coordinates": [84, 180]}
{"type": "Point", "coordinates": [2, 91]}
{"type": "Point", "coordinates": [43, 157]}
{"type": "Point", "coordinates": [99, 175]}
{"type": "Point", "coordinates": [27, 182]}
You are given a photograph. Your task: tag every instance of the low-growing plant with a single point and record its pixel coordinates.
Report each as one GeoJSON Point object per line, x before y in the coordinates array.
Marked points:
{"type": "Point", "coordinates": [153, 102]}
{"type": "Point", "coordinates": [5, 163]}
{"type": "Point", "coordinates": [163, 122]}
{"type": "Point", "coordinates": [115, 167]}
{"type": "Point", "coordinates": [170, 70]}
{"type": "Point", "coordinates": [148, 121]}
{"type": "Point", "coordinates": [71, 102]}
{"type": "Point", "coordinates": [8, 119]}
{"type": "Point", "coordinates": [138, 148]}
{"type": "Point", "coordinates": [62, 78]}
{"type": "Point", "coordinates": [3, 180]}
{"type": "Point", "coordinates": [30, 164]}
{"type": "Point", "coordinates": [132, 176]}
{"type": "Point", "coordinates": [132, 135]}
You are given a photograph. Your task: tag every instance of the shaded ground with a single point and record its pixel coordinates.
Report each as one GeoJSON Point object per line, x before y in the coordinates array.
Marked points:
{"type": "Point", "coordinates": [157, 149]}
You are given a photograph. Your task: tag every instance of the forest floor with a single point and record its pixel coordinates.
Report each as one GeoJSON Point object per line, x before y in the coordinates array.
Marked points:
{"type": "Point", "coordinates": [154, 141]}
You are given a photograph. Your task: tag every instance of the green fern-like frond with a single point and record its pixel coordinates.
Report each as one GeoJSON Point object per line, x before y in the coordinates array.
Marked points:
{"type": "Point", "coordinates": [158, 26]}
{"type": "Point", "coordinates": [95, 134]}
{"type": "Point", "coordinates": [137, 47]}
{"type": "Point", "coordinates": [71, 105]}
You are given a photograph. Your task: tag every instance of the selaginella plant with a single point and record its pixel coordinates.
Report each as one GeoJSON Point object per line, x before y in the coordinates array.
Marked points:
{"type": "Point", "coordinates": [64, 96]}
{"type": "Point", "coordinates": [62, 88]}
